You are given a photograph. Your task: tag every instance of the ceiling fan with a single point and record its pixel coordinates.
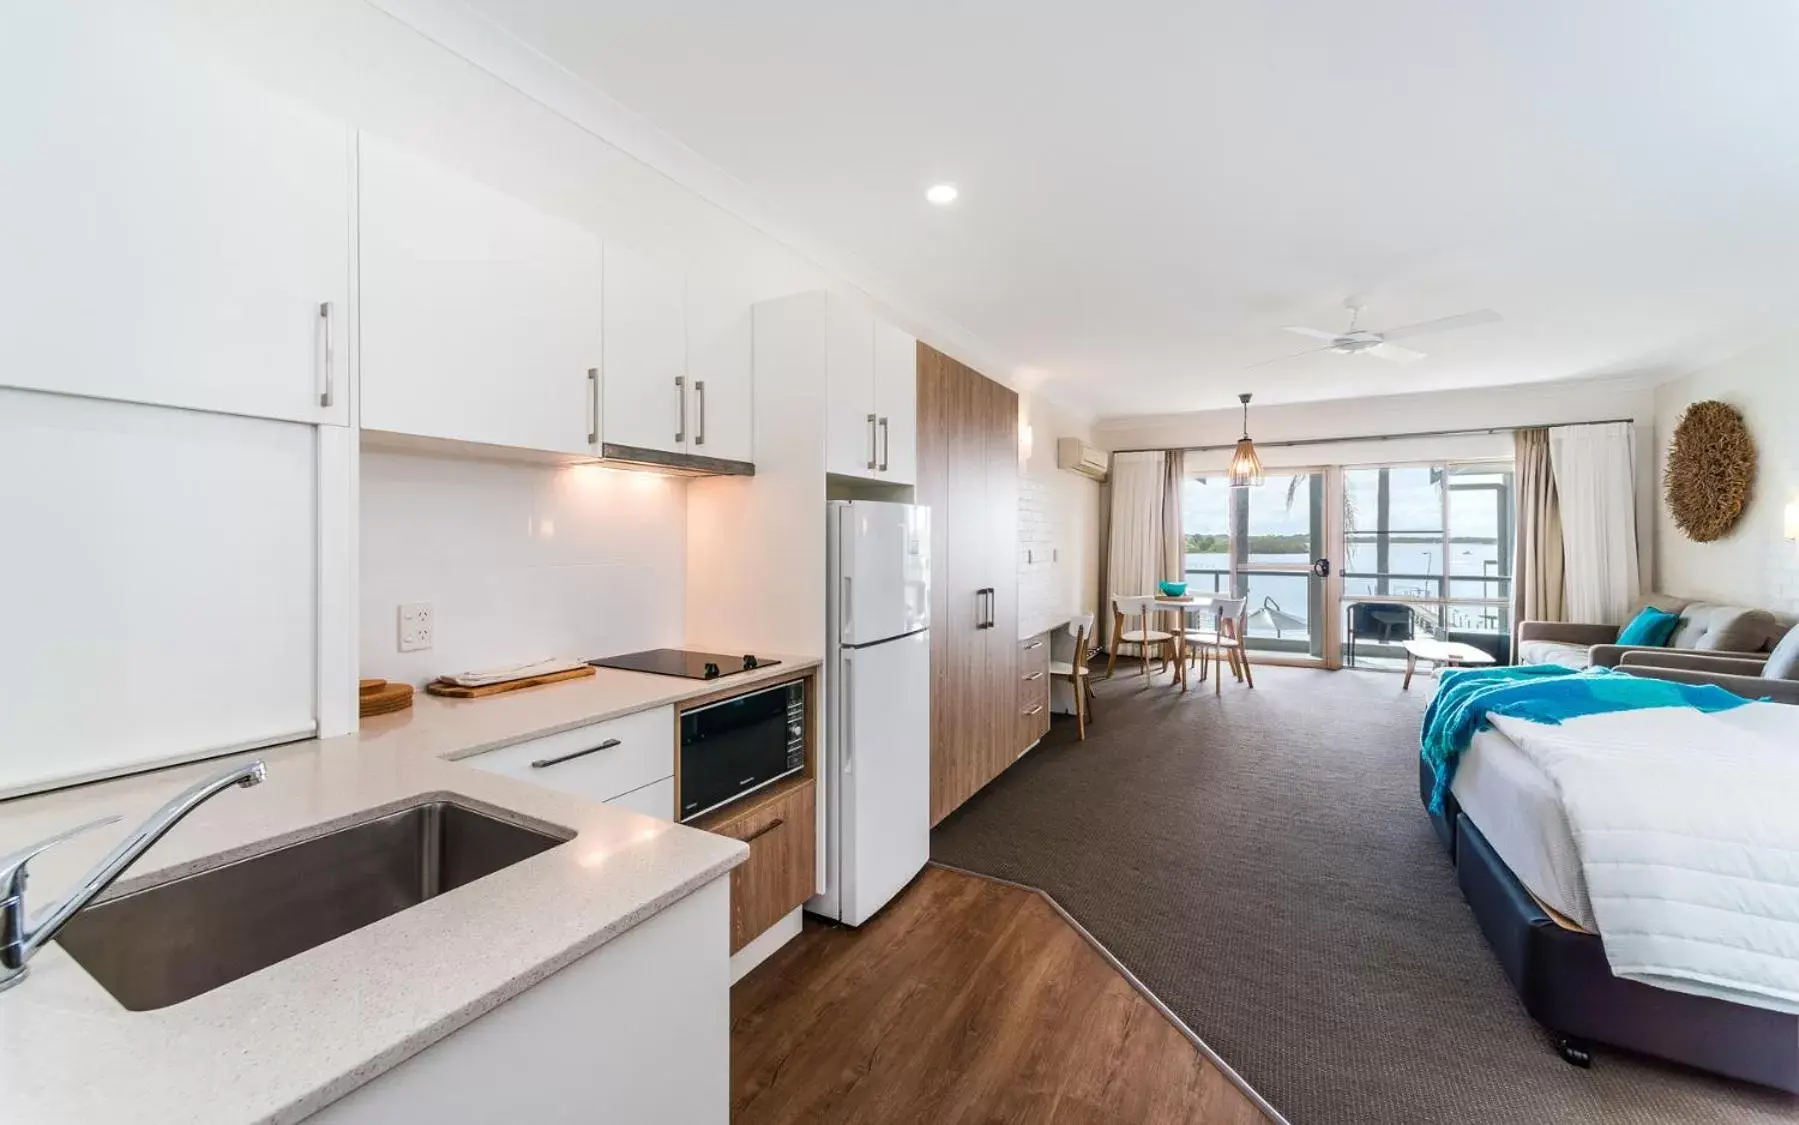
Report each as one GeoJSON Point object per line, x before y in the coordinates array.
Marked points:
{"type": "Point", "coordinates": [1357, 340]}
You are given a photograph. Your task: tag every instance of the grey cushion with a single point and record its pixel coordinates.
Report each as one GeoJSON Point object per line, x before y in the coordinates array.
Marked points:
{"type": "Point", "coordinates": [1554, 652]}
{"type": "Point", "coordinates": [1783, 662]}
{"type": "Point", "coordinates": [1723, 628]}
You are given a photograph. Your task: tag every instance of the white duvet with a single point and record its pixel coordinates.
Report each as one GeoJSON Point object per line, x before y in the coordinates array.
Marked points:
{"type": "Point", "coordinates": [1687, 826]}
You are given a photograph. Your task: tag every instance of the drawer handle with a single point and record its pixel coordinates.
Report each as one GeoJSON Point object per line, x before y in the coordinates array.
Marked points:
{"type": "Point", "coordinates": [766, 829]}
{"type": "Point", "coordinates": [542, 762]}
{"type": "Point", "coordinates": [1033, 676]}
{"type": "Point", "coordinates": [1032, 645]}
{"type": "Point", "coordinates": [1035, 709]}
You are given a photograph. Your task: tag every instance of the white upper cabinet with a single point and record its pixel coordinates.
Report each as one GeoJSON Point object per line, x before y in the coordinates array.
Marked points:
{"type": "Point", "coordinates": [481, 314]}
{"type": "Point", "coordinates": [850, 426]}
{"type": "Point", "coordinates": [719, 343]}
{"type": "Point", "coordinates": [896, 404]}
{"type": "Point", "coordinates": [174, 234]}
{"type": "Point", "coordinates": [646, 404]}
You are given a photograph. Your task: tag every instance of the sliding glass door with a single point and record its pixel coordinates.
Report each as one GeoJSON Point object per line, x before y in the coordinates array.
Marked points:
{"type": "Point", "coordinates": [1263, 544]}
{"type": "Point", "coordinates": [1413, 550]}
{"type": "Point", "coordinates": [1427, 552]}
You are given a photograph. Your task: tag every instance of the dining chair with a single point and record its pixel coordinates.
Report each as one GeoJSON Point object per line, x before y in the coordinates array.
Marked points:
{"type": "Point", "coordinates": [1230, 625]}
{"type": "Point", "coordinates": [1137, 608]}
{"type": "Point", "coordinates": [1076, 672]}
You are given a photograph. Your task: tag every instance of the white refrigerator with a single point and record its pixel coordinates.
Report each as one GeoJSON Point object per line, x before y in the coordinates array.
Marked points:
{"type": "Point", "coordinates": [877, 762]}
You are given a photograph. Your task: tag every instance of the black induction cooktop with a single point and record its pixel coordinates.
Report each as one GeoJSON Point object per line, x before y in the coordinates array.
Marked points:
{"type": "Point", "coordinates": [683, 662]}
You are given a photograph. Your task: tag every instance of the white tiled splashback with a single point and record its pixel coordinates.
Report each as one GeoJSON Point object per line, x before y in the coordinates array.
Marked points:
{"type": "Point", "coordinates": [518, 562]}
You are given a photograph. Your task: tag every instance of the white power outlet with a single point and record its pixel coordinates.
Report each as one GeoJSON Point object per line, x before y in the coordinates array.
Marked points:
{"type": "Point", "coordinates": [416, 626]}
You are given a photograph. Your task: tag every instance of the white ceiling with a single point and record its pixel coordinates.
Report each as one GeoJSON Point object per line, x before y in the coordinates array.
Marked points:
{"type": "Point", "coordinates": [1150, 190]}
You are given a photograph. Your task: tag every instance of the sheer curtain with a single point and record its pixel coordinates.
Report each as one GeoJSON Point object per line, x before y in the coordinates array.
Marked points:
{"type": "Point", "coordinates": [1145, 543]}
{"type": "Point", "coordinates": [1595, 479]}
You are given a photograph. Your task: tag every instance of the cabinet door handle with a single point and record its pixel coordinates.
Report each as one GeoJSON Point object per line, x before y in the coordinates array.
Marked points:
{"type": "Point", "coordinates": [886, 441]}
{"type": "Point", "coordinates": [1035, 710]}
{"type": "Point", "coordinates": [871, 441]}
{"type": "Point", "coordinates": [699, 394]}
{"type": "Point", "coordinates": [560, 758]}
{"type": "Point", "coordinates": [1032, 645]}
{"type": "Point", "coordinates": [987, 607]}
{"type": "Point", "coordinates": [1034, 676]}
{"type": "Point", "coordinates": [593, 415]}
{"type": "Point", "coordinates": [325, 315]}
{"type": "Point", "coordinates": [765, 829]}
{"type": "Point", "coordinates": [681, 407]}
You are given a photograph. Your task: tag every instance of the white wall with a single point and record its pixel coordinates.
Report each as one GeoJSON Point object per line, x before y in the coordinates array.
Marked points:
{"type": "Point", "coordinates": [1058, 520]}
{"type": "Point", "coordinates": [1754, 565]}
{"type": "Point", "coordinates": [519, 562]}
{"type": "Point", "coordinates": [1501, 408]}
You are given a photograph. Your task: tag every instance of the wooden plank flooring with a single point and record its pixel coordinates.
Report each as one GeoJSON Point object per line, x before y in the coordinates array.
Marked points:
{"type": "Point", "coordinates": [965, 1000]}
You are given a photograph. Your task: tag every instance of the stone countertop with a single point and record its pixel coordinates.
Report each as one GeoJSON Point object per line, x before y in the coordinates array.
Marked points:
{"type": "Point", "coordinates": [281, 1043]}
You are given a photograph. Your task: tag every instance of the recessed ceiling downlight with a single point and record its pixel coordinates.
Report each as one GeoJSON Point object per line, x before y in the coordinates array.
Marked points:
{"type": "Point", "coordinates": [942, 194]}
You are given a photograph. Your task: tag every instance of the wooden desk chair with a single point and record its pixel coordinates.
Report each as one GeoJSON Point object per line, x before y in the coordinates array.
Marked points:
{"type": "Point", "coordinates": [1137, 608]}
{"type": "Point", "coordinates": [1076, 672]}
{"type": "Point", "coordinates": [1223, 641]}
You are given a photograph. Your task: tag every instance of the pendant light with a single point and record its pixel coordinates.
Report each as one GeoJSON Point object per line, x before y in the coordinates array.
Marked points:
{"type": "Point", "coordinates": [1246, 467]}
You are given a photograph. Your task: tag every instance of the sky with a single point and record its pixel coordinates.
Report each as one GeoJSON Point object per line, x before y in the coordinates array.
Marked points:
{"type": "Point", "coordinates": [1414, 505]}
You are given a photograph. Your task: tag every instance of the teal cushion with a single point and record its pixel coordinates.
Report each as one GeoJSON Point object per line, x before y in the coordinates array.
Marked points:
{"type": "Point", "coordinates": [1650, 628]}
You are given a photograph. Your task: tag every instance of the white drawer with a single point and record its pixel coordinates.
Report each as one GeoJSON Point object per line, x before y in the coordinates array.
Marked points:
{"type": "Point", "coordinates": [579, 761]}
{"type": "Point", "coordinates": [656, 799]}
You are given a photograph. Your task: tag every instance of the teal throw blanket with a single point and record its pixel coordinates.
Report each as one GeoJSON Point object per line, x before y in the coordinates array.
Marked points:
{"type": "Point", "coordinates": [1541, 693]}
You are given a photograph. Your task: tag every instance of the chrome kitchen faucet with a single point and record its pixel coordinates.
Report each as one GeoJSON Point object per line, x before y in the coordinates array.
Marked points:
{"type": "Point", "coordinates": [20, 938]}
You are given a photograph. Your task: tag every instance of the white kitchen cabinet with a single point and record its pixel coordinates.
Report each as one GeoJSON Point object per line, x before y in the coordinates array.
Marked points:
{"type": "Point", "coordinates": [896, 404]}
{"type": "Point", "coordinates": [850, 424]}
{"type": "Point", "coordinates": [481, 314]}
{"type": "Point", "coordinates": [637, 1031]}
{"type": "Point", "coordinates": [645, 404]}
{"type": "Point", "coordinates": [719, 368]}
{"type": "Point", "coordinates": [175, 233]}
{"type": "Point", "coordinates": [656, 799]}
{"type": "Point", "coordinates": [600, 761]}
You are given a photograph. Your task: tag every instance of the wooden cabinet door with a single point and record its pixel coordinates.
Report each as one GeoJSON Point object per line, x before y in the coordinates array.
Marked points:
{"type": "Point", "coordinates": [480, 313]}
{"type": "Point", "coordinates": [896, 403]}
{"type": "Point", "coordinates": [779, 875]}
{"type": "Point", "coordinates": [174, 233]}
{"type": "Point", "coordinates": [719, 368]}
{"type": "Point", "coordinates": [850, 427]}
{"type": "Point", "coordinates": [645, 403]}
{"type": "Point", "coordinates": [999, 526]}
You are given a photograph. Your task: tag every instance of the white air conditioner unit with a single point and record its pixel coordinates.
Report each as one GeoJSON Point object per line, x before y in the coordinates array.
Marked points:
{"type": "Point", "coordinates": [1077, 456]}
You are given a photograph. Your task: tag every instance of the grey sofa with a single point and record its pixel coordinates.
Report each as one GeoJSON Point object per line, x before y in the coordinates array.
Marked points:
{"type": "Point", "coordinates": [1774, 677]}
{"type": "Point", "coordinates": [1704, 627]}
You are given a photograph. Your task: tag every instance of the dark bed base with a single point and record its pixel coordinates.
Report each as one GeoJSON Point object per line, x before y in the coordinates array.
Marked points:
{"type": "Point", "coordinates": [1567, 986]}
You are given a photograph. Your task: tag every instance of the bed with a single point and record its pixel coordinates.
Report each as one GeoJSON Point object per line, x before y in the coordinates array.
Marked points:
{"type": "Point", "coordinates": [1515, 859]}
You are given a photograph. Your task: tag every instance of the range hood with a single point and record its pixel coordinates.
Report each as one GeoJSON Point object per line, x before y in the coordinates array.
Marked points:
{"type": "Point", "coordinates": [671, 464]}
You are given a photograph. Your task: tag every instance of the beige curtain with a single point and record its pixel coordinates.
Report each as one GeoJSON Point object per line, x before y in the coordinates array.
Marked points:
{"type": "Point", "coordinates": [1538, 574]}
{"type": "Point", "coordinates": [1144, 543]}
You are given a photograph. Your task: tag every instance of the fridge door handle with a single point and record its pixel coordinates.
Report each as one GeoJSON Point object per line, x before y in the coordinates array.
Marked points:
{"type": "Point", "coordinates": [845, 629]}
{"type": "Point", "coordinates": [848, 741]}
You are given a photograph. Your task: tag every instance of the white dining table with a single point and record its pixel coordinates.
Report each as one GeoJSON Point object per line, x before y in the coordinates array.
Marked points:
{"type": "Point", "coordinates": [1183, 606]}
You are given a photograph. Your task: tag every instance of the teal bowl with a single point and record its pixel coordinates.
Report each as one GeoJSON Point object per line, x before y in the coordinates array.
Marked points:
{"type": "Point", "coordinates": [1174, 589]}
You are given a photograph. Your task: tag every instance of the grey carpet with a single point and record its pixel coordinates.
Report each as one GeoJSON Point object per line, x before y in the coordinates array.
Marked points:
{"type": "Point", "coordinates": [1262, 864]}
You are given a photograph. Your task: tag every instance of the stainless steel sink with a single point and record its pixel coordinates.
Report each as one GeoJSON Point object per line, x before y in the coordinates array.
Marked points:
{"type": "Point", "coordinates": [173, 941]}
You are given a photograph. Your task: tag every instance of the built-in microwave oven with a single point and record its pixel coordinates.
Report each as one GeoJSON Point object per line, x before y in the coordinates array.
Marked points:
{"type": "Point", "coordinates": [738, 745]}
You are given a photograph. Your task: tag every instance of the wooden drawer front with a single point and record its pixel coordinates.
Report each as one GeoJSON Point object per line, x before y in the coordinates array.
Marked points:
{"type": "Point", "coordinates": [1033, 691]}
{"type": "Point", "coordinates": [579, 761]}
{"type": "Point", "coordinates": [778, 876]}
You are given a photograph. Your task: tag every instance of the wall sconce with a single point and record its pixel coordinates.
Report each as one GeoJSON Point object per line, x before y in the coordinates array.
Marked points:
{"type": "Point", "coordinates": [1024, 442]}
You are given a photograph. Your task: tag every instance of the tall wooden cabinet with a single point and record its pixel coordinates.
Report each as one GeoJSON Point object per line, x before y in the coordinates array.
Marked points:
{"type": "Point", "coordinates": [968, 477]}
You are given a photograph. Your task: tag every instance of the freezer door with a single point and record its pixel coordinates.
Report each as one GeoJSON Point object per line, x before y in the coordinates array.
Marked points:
{"type": "Point", "coordinates": [884, 773]}
{"type": "Point", "coordinates": [884, 577]}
